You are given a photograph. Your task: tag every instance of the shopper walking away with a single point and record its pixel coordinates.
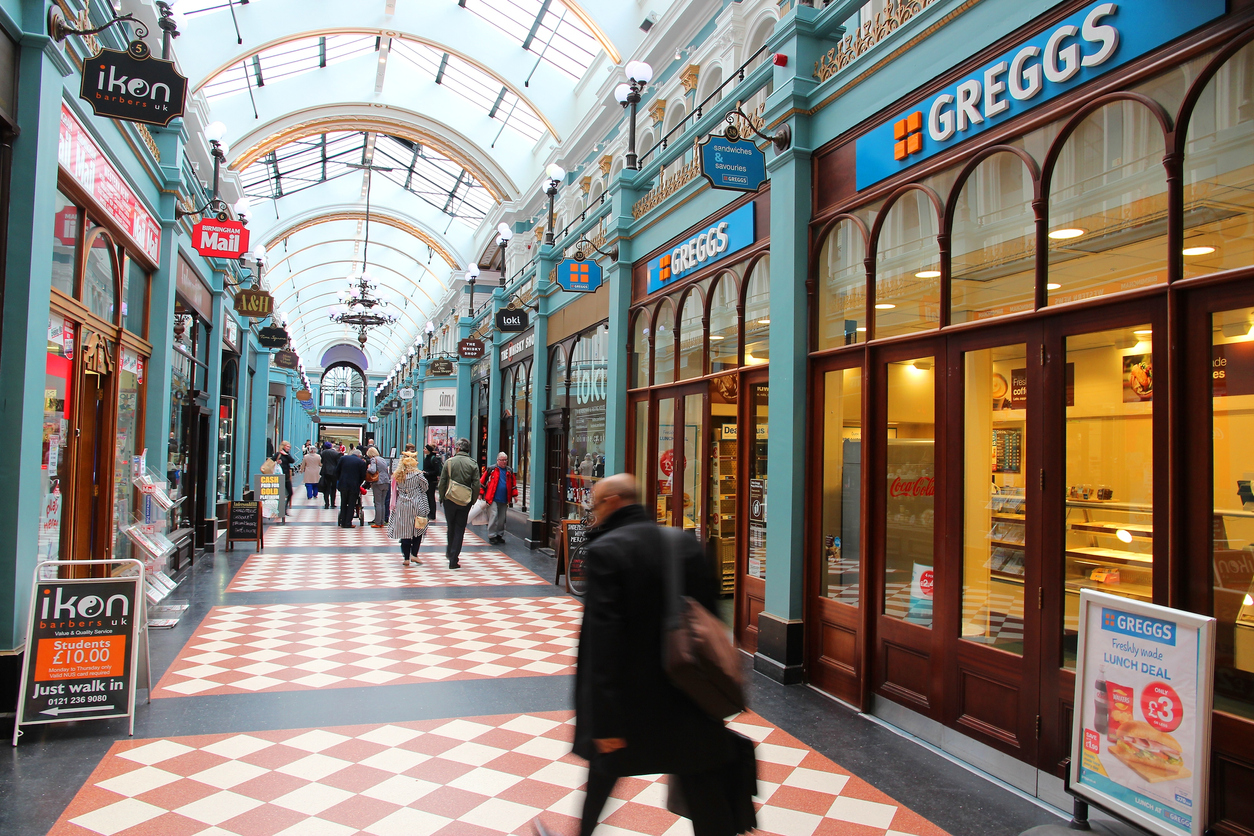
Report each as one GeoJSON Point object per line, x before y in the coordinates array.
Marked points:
{"type": "Point", "coordinates": [500, 489]}
{"type": "Point", "coordinates": [379, 477]}
{"type": "Point", "coordinates": [284, 459]}
{"type": "Point", "coordinates": [311, 466]}
{"type": "Point", "coordinates": [329, 483]}
{"type": "Point", "coordinates": [352, 477]}
{"type": "Point", "coordinates": [629, 718]}
{"type": "Point", "coordinates": [431, 465]}
{"type": "Point", "coordinates": [410, 512]}
{"type": "Point", "coordinates": [457, 481]}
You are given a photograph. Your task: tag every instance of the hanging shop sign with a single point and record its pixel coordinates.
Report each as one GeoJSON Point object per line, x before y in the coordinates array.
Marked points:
{"type": "Point", "coordinates": [728, 235]}
{"type": "Point", "coordinates": [254, 303]}
{"type": "Point", "coordinates": [1144, 684]}
{"type": "Point", "coordinates": [512, 320]}
{"type": "Point", "coordinates": [80, 158]}
{"type": "Point", "coordinates": [133, 86]}
{"type": "Point", "coordinates": [287, 359]}
{"type": "Point", "coordinates": [578, 275]}
{"type": "Point", "coordinates": [81, 659]}
{"type": "Point", "coordinates": [738, 165]}
{"type": "Point", "coordinates": [406, 393]}
{"type": "Point", "coordinates": [440, 367]}
{"type": "Point", "coordinates": [213, 238]}
{"type": "Point", "coordinates": [1089, 43]}
{"type": "Point", "coordinates": [272, 336]}
{"type": "Point", "coordinates": [437, 402]}
{"type": "Point", "coordinates": [304, 395]}
{"type": "Point", "coordinates": [471, 349]}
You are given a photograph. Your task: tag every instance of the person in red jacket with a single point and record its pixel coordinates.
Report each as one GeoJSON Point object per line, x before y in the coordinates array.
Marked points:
{"type": "Point", "coordinates": [500, 488]}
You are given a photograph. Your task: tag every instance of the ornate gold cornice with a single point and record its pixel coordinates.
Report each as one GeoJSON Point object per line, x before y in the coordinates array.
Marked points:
{"type": "Point", "coordinates": [688, 78]}
{"type": "Point", "coordinates": [606, 163]}
{"type": "Point", "coordinates": [657, 111]}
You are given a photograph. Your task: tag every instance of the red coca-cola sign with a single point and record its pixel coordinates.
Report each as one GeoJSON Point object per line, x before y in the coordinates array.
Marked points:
{"type": "Point", "coordinates": [220, 239]}
{"type": "Point", "coordinates": [923, 486]}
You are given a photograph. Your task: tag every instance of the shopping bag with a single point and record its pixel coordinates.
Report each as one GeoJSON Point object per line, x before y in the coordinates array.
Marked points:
{"type": "Point", "coordinates": [267, 467]}
{"type": "Point", "coordinates": [480, 513]}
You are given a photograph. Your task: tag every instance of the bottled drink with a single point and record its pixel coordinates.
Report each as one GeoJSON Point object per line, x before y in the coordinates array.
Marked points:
{"type": "Point", "coordinates": [1101, 705]}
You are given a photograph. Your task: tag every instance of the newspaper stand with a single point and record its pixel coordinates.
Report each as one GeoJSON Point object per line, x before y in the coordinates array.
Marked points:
{"type": "Point", "coordinates": [77, 626]}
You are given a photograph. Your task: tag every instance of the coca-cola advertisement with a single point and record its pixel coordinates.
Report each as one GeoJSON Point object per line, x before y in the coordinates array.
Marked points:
{"type": "Point", "coordinates": [911, 504]}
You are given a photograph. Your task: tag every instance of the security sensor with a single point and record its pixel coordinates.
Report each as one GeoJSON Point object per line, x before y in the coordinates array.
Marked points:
{"type": "Point", "coordinates": [647, 23]}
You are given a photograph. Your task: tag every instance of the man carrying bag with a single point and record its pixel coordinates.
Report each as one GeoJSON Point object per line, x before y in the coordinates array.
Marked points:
{"type": "Point", "coordinates": [459, 474]}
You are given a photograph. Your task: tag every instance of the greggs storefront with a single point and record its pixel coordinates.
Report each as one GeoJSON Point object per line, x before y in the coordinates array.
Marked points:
{"type": "Point", "coordinates": [1032, 373]}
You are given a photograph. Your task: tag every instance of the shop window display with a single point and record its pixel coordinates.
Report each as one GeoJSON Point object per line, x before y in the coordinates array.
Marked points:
{"type": "Point", "coordinates": [59, 394]}
{"type": "Point", "coordinates": [664, 343]}
{"type": "Point", "coordinates": [842, 287]}
{"type": "Point", "coordinates": [724, 328]}
{"type": "Point", "coordinates": [64, 244]}
{"type": "Point", "coordinates": [842, 485]}
{"type": "Point", "coordinates": [907, 267]}
{"type": "Point", "coordinates": [99, 290]}
{"type": "Point", "coordinates": [666, 453]}
{"type": "Point", "coordinates": [1108, 205]}
{"type": "Point", "coordinates": [724, 476]}
{"type": "Point", "coordinates": [135, 299]}
{"type": "Point", "coordinates": [758, 313]}
{"type": "Point", "coordinates": [1232, 390]}
{"type": "Point", "coordinates": [692, 333]}
{"type": "Point", "coordinates": [640, 350]}
{"type": "Point", "coordinates": [589, 380]}
{"type": "Point", "coordinates": [910, 485]}
{"type": "Point", "coordinates": [994, 545]}
{"type": "Point", "coordinates": [757, 500]}
{"type": "Point", "coordinates": [1109, 522]}
{"type": "Point", "coordinates": [993, 241]}
{"type": "Point", "coordinates": [130, 387]}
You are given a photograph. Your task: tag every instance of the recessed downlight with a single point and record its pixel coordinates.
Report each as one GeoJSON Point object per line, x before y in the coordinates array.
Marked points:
{"type": "Point", "coordinates": [1143, 332]}
{"type": "Point", "coordinates": [885, 306]}
{"type": "Point", "coordinates": [1197, 250]}
{"type": "Point", "coordinates": [764, 322]}
{"type": "Point", "coordinates": [1053, 286]}
{"type": "Point", "coordinates": [927, 274]}
{"type": "Point", "coordinates": [861, 330]}
{"type": "Point", "coordinates": [1067, 233]}
{"type": "Point", "coordinates": [716, 337]}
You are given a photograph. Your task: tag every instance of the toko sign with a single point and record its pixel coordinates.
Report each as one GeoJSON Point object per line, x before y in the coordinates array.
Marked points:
{"type": "Point", "coordinates": [731, 234]}
{"type": "Point", "coordinates": [1089, 43]}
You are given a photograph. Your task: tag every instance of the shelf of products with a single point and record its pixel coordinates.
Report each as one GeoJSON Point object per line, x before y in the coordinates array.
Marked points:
{"type": "Point", "coordinates": [1109, 547]}
{"type": "Point", "coordinates": [723, 509]}
{"type": "Point", "coordinates": [1006, 535]}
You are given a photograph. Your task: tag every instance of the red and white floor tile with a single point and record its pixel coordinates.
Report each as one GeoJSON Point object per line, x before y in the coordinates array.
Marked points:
{"type": "Point", "coordinates": [282, 647]}
{"type": "Point", "coordinates": [266, 572]}
{"type": "Point", "coordinates": [477, 776]}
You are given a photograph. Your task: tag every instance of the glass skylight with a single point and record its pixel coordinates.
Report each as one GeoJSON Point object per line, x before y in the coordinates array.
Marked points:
{"type": "Point", "coordinates": [555, 34]}
{"type": "Point", "coordinates": [286, 60]}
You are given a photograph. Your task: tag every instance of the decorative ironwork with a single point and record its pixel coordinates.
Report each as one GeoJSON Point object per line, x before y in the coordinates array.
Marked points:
{"type": "Point", "coordinates": [894, 16]}
{"type": "Point", "coordinates": [781, 139]}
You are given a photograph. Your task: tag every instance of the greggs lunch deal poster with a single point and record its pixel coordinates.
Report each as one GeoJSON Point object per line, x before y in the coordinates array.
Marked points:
{"type": "Point", "coordinates": [1143, 704]}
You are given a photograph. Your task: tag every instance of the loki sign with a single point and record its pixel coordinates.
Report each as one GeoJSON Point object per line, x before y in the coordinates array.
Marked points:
{"type": "Point", "coordinates": [133, 86]}
{"type": "Point", "coordinates": [510, 319]}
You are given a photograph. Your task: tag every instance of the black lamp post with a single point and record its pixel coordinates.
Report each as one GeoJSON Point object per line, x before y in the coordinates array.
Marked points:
{"type": "Point", "coordinates": [472, 273]}
{"type": "Point", "coordinates": [555, 173]}
{"type": "Point", "coordinates": [639, 74]}
{"type": "Point", "coordinates": [503, 234]}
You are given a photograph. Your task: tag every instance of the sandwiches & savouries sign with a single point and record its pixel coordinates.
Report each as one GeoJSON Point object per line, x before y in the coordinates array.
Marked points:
{"type": "Point", "coordinates": [1140, 745]}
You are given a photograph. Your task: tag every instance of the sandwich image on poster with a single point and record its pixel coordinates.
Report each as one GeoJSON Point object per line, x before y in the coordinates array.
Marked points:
{"type": "Point", "coordinates": [1141, 742]}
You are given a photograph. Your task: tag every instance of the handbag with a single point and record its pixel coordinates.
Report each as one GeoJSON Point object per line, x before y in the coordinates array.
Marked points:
{"type": "Point", "coordinates": [458, 493]}
{"type": "Point", "coordinates": [267, 467]}
{"type": "Point", "coordinates": [420, 525]}
{"type": "Point", "coordinates": [697, 653]}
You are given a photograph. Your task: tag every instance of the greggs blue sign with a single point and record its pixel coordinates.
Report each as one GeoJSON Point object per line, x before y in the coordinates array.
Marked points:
{"type": "Point", "coordinates": [725, 236]}
{"type": "Point", "coordinates": [1139, 626]}
{"type": "Point", "coordinates": [1089, 43]}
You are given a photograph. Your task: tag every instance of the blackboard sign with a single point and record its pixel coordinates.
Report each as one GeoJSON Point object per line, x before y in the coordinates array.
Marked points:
{"type": "Point", "coordinates": [80, 649]}
{"type": "Point", "coordinates": [243, 522]}
{"type": "Point", "coordinates": [574, 537]}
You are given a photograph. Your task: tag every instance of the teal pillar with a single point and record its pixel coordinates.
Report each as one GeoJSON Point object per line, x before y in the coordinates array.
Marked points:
{"type": "Point", "coordinates": [494, 381]}
{"type": "Point", "coordinates": [28, 285]}
{"type": "Point", "coordinates": [257, 414]}
{"type": "Point", "coordinates": [780, 652]}
{"type": "Point", "coordinates": [618, 280]}
{"type": "Point", "coordinates": [539, 396]}
{"type": "Point", "coordinates": [214, 391]}
{"type": "Point", "coordinates": [420, 422]}
{"type": "Point", "coordinates": [465, 368]}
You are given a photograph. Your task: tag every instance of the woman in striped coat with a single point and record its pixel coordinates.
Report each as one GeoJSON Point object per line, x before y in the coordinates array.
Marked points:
{"type": "Point", "coordinates": [409, 503]}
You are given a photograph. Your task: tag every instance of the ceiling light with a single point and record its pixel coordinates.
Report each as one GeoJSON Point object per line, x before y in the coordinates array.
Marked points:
{"type": "Point", "coordinates": [1197, 250]}
{"type": "Point", "coordinates": [1053, 286]}
{"type": "Point", "coordinates": [927, 274]}
{"type": "Point", "coordinates": [885, 306]}
{"type": "Point", "coordinates": [1067, 233]}
{"type": "Point", "coordinates": [764, 322]}
{"type": "Point", "coordinates": [555, 171]}
{"type": "Point", "coordinates": [621, 92]}
{"type": "Point", "coordinates": [1143, 332]}
{"type": "Point", "coordinates": [639, 71]}
{"type": "Point", "coordinates": [214, 131]}
{"type": "Point", "coordinates": [861, 329]}
{"type": "Point", "coordinates": [716, 337]}
{"type": "Point", "coordinates": [1124, 535]}
{"type": "Point", "coordinates": [923, 365]}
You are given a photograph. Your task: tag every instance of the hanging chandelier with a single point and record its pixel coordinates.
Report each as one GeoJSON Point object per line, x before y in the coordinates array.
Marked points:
{"type": "Point", "coordinates": [360, 306]}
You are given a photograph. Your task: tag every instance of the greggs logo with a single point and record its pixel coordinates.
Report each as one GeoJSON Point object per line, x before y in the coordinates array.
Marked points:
{"type": "Point", "coordinates": [664, 269]}
{"type": "Point", "coordinates": [909, 135]}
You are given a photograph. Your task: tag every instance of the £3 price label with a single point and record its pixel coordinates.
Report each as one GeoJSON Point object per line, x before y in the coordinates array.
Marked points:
{"type": "Point", "coordinates": [1162, 707]}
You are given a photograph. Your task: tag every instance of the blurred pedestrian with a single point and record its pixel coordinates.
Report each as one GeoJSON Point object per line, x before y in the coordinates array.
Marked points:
{"type": "Point", "coordinates": [500, 489]}
{"type": "Point", "coordinates": [431, 466]}
{"type": "Point", "coordinates": [330, 473]}
{"type": "Point", "coordinates": [284, 459]}
{"type": "Point", "coordinates": [352, 477]}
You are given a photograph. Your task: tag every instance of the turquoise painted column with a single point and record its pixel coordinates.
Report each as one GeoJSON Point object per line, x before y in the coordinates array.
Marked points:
{"type": "Point", "coordinates": [539, 398]}
{"type": "Point", "coordinates": [28, 285]}
{"type": "Point", "coordinates": [257, 417]}
{"type": "Point", "coordinates": [780, 652]}
{"type": "Point", "coordinates": [465, 367]}
{"type": "Point", "coordinates": [494, 379]}
{"type": "Point", "coordinates": [213, 385]}
{"type": "Point", "coordinates": [420, 424]}
{"type": "Point", "coordinates": [623, 194]}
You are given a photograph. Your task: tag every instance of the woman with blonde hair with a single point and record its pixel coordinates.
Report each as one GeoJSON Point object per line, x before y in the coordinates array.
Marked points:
{"type": "Point", "coordinates": [409, 505]}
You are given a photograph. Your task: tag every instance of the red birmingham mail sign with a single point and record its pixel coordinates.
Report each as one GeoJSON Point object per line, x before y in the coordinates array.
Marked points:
{"type": "Point", "coordinates": [213, 238]}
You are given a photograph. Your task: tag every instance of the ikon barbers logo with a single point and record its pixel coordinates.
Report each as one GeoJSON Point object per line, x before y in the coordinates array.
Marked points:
{"type": "Point", "coordinates": [55, 608]}
{"type": "Point", "coordinates": [133, 86]}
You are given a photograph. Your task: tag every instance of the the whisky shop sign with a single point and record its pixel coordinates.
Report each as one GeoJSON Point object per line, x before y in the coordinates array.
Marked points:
{"type": "Point", "coordinates": [133, 86]}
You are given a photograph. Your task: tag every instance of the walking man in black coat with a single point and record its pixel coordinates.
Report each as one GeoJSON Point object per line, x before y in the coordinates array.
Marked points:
{"type": "Point", "coordinates": [330, 474]}
{"type": "Point", "coordinates": [352, 477]}
{"type": "Point", "coordinates": [629, 718]}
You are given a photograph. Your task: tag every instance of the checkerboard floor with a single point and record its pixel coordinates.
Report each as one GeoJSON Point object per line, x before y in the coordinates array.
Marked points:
{"type": "Point", "coordinates": [291, 572]}
{"type": "Point", "coordinates": [477, 776]}
{"type": "Point", "coordinates": [249, 649]}
{"type": "Point", "coordinates": [332, 538]}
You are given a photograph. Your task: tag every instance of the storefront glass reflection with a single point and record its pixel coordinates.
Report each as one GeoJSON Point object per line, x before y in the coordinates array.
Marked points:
{"type": "Point", "coordinates": [842, 485]}
{"type": "Point", "coordinates": [58, 417]}
{"type": "Point", "coordinates": [588, 381]}
{"type": "Point", "coordinates": [128, 427]}
{"type": "Point", "coordinates": [910, 484]}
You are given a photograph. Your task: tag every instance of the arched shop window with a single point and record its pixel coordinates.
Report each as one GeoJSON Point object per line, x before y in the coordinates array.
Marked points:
{"type": "Point", "coordinates": [907, 266]}
{"type": "Point", "coordinates": [1218, 200]}
{"type": "Point", "coordinates": [842, 286]}
{"type": "Point", "coordinates": [993, 241]}
{"type": "Point", "coordinates": [664, 343]}
{"type": "Point", "coordinates": [758, 313]}
{"type": "Point", "coordinates": [1108, 204]}
{"type": "Point", "coordinates": [692, 333]}
{"type": "Point", "coordinates": [557, 379]}
{"type": "Point", "coordinates": [589, 382]}
{"type": "Point", "coordinates": [725, 323]}
{"type": "Point", "coordinates": [640, 349]}
{"type": "Point", "coordinates": [100, 287]}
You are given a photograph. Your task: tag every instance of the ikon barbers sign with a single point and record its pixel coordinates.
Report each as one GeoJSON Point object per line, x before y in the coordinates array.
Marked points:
{"type": "Point", "coordinates": [133, 86]}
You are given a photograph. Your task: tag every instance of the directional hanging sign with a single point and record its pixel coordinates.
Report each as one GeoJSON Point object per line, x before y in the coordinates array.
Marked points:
{"type": "Point", "coordinates": [440, 367]}
{"type": "Point", "coordinates": [579, 275]}
{"type": "Point", "coordinates": [732, 164]}
{"type": "Point", "coordinates": [213, 238]}
{"type": "Point", "coordinates": [272, 336]}
{"type": "Point", "coordinates": [470, 348]}
{"type": "Point", "coordinates": [511, 319]}
{"type": "Point", "coordinates": [287, 359]}
{"type": "Point", "coordinates": [406, 393]}
{"type": "Point", "coordinates": [133, 86]}
{"type": "Point", "coordinates": [253, 303]}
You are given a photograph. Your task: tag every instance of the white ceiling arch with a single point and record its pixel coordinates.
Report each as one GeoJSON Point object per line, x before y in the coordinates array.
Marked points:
{"type": "Point", "coordinates": [332, 213]}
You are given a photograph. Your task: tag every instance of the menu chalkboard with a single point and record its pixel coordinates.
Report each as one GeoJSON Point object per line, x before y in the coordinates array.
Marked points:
{"type": "Point", "coordinates": [243, 522]}
{"type": "Point", "coordinates": [574, 538]}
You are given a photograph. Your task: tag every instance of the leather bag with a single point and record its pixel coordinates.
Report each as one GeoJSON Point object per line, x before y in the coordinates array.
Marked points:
{"type": "Point", "coordinates": [420, 525]}
{"type": "Point", "coordinates": [458, 493]}
{"type": "Point", "coordinates": [267, 467]}
{"type": "Point", "coordinates": [697, 652]}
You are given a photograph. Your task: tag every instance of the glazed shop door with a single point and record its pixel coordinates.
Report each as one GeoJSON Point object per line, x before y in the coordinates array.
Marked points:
{"type": "Point", "coordinates": [989, 603]}
{"type": "Point", "coordinates": [93, 537]}
{"type": "Point", "coordinates": [677, 476]}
